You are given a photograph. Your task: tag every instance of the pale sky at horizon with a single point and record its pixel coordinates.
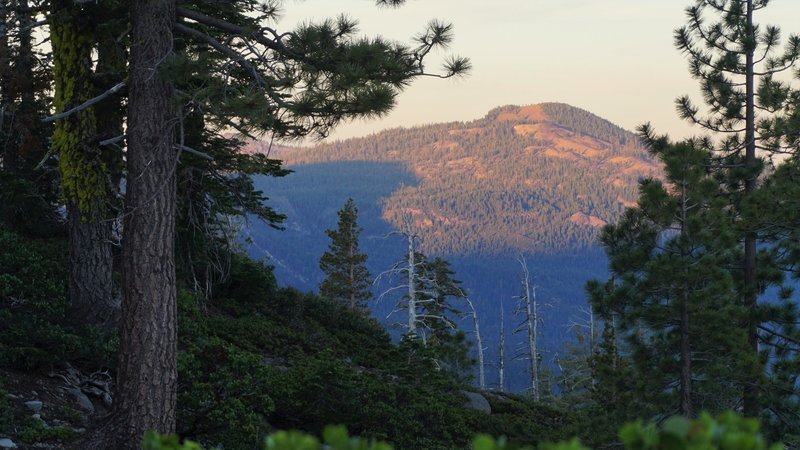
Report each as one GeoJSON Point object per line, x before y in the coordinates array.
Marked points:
{"type": "Point", "coordinates": [614, 58]}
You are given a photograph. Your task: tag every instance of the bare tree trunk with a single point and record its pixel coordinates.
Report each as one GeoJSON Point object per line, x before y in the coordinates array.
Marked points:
{"type": "Point", "coordinates": [532, 319]}
{"type": "Point", "coordinates": [479, 342]}
{"type": "Point", "coordinates": [147, 368]}
{"type": "Point", "coordinates": [592, 345]}
{"type": "Point", "coordinates": [412, 293]}
{"type": "Point", "coordinates": [533, 322]}
{"type": "Point", "coordinates": [592, 336]}
{"type": "Point", "coordinates": [502, 351]}
{"type": "Point", "coordinates": [751, 389]}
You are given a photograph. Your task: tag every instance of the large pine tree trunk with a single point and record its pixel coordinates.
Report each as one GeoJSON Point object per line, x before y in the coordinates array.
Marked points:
{"type": "Point", "coordinates": [83, 177]}
{"type": "Point", "coordinates": [91, 270]}
{"type": "Point", "coordinates": [147, 373]}
{"type": "Point", "coordinates": [686, 347]}
{"type": "Point", "coordinates": [751, 390]}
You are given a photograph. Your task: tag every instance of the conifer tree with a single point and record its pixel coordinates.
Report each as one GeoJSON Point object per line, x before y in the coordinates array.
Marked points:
{"type": "Point", "coordinates": [290, 84]}
{"type": "Point", "coordinates": [671, 300]}
{"type": "Point", "coordinates": [736, 62]}
{"type": "Point", "coordinates": [347, 278]}
{"type": "Point", "coordinates": [438, 290]}
{"type": "Point", "coordinates": [775, 208]}
{"type": "Point", "coordinates": [90, 172]}
{"type": "Point", "coordinates": [28, 189]}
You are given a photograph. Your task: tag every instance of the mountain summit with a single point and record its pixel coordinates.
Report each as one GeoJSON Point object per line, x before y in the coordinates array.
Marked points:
{"type": "Point", "coordinates": [540, 178]}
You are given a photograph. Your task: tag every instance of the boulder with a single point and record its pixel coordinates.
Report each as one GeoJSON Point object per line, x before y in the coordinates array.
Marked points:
{"type": "Point", "coordinates": [83, 401]}
{"type": "Point", "coordinates": [34, 405]}
{"type": "Point", "coordinates": [477, 402]}
{"type": "Point", "coordinates": [7, 443]}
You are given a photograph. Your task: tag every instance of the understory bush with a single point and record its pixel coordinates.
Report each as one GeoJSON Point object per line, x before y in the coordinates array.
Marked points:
{"type": "Point", "coordinates": [726, 432]}
{"type": "Point", "coordinates": [33, 306]}
{"type": "Point", "coordinates": [256, 358]}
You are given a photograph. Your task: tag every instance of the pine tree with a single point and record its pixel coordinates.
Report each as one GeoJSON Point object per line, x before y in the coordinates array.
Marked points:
{"type": "Point", "coordinates": [28, 188]}
{"type": "Point", "coordinates": [90, 172]}
{"type": "Point", "coordinates": [347, 278]}
{"type": "Point", "coordinates": [292, 85]}
{"type": "Point", "coordinates": [736, 61]}
{"type": "Point", "coordinates": [775, 208]}
{"type": "Point", "coordinates": [671, 298]}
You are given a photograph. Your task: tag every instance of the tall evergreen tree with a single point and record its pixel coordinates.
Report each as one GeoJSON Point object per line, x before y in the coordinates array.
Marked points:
{"type": "Point", "coordinates": [90, 172]}
{"type": "Point", "coordinates": [148, 325]}
{"type": "Point", "coordinates": [775, 208]}
{"type": "Point", "coordinates": [671, 300]}
{"type": "Point", "coordinates": [28, 188]}
{"type": "Point", "coordinates": [299, 83]}
{"type": "Point", "coordinates": [347, 278]}
{"type": "Point", "coordinates": [736, 61]}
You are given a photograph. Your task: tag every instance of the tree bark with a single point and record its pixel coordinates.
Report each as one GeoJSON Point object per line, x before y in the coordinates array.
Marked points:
{"type": "Point", "coordinates": [91, 283]}
{"type": "Point", "coordinates": [751, 389]}
{"type": "Point", "coordinates": [147, 369]}
{"type": "Point", "coordinates": [686, 348]}
{"type": "Point", "coordinates": [83, 174]}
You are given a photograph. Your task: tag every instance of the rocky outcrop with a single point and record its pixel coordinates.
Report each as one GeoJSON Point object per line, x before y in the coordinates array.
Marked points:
{"type": "Point", "coordinates": [477, 402]}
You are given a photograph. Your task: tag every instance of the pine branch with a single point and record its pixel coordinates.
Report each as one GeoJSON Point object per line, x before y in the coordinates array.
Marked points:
{"type": "Point", "coordinates": [779, 334]}
{"type": "Point", "coordinates": [239, 31]}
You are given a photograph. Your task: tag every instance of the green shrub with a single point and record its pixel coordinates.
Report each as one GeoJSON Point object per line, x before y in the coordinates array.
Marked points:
{"type": "Point", "coordinates": [35, 431]}
{"type": "Point", "coordinates": [223, 388]}
{"type": "Point", "coordinates": [33, 305]}
{"type": "Point", "coordinates": [6, 414]}
{"type": "Point", "coordinates": [334, 438]}
{"type": "Point", "coordinates": [727, 432]}
{"type": "Point", "coordinates": [296, 361]}
{"type": "Point", "coordinates": [73, 416]}
{"type": "Point", "coordinates": [33, 275]}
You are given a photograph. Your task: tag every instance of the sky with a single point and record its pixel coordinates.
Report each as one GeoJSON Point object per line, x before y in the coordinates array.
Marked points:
{"type": "Point", "coordinates": [614, 58]}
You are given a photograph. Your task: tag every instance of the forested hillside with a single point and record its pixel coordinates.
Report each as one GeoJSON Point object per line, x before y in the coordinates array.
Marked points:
{"type": "Point", "coordinates": [540, 178]}
{"type": "Point", "coordinates": [534, 275]}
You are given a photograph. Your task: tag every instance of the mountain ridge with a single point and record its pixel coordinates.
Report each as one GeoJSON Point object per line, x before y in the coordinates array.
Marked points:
{"type": "Point", "coordinates": [520, 163]}
{"type": "Point", "coordinates": [480, 196]}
